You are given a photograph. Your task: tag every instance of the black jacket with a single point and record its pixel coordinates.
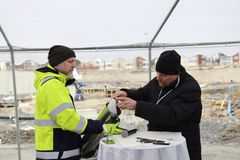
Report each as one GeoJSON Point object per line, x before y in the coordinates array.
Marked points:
{"type": "Point", "coordinates": [179, 111]}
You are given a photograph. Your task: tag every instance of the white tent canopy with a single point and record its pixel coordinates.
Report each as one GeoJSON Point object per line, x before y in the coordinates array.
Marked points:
{"type": "Point", "coordinates": [78, 23]}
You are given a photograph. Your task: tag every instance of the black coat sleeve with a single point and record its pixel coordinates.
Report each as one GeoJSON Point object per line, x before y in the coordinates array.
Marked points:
{"type": "Point", "coordinates": [146, 93]}
{"type": "Point", "coordinates": [182, 104]}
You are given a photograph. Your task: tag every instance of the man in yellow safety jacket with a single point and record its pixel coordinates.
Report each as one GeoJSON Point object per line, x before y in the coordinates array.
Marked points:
{"type": "Point", "coordinates": [58, 127]}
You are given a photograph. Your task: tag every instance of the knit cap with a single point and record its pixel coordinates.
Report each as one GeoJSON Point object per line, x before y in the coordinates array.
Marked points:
{"type": "Point", "coordinates": [169, 63]}
{"type": "Point", "coordinates": [58, 53]}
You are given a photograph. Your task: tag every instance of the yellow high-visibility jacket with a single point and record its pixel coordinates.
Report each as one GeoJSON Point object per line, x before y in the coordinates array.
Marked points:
{"type": "Point", "coordinates": [57, 124]}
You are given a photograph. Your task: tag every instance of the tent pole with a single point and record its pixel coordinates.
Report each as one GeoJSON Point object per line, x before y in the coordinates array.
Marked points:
{"type": "Point", "coordinates": [155, 36]}
{"type": "Point", "coordinates": [15, 92]}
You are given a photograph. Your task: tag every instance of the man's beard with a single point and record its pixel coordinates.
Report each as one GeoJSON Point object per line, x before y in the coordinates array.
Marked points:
{"type": "Point", "coordinates": [70, 75]}
{"type": "Point", "coordinates": [161, 85]}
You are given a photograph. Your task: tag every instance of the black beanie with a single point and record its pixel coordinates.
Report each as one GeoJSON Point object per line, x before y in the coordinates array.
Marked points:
{"type": "Point", "coordinates": [169, 63]}
{"type": "Point", "coordinates": [57, 54]}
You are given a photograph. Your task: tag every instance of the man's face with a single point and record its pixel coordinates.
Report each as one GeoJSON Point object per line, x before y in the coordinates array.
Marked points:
{"type": "Point", "coordinates": [67, 66]}
{"type": "Point", "coordinates": [165, 80]}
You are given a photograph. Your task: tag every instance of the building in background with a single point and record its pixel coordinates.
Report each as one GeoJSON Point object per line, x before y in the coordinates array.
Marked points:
{"type": "Point", "coordinates": [28, 65]}
{"type": "Point", "coordinates": [5, 66]}
{"type": "Point", "coordinates": [225, 61]}
{"type": "Point", "coordinates": [140, 64]}
{"type": "Point", "coordinates": [236, 59]}
{"type": "Point", "coordinates": [199, 61]}
{"type": "Point", "coordinates": [119, 64]}
{"type": "Point", "coordinates": [99, 63]}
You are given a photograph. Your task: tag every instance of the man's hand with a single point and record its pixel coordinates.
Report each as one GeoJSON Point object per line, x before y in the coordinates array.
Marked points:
{"type": "Point", "coordinates": [119, 94]}
{"type": "Point", "coordinates": [111, 128]}
{"type": "Point", "coordinates": [126, 103]}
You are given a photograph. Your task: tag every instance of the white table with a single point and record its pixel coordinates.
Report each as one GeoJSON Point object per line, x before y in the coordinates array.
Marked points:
{"type": "Point", "coordinates": [129, 149]}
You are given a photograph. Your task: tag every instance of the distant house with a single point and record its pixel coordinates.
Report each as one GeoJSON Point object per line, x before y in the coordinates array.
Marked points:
{"type": "Point", "coordinates": [119, 64]}
{"type": "Point", "coordinates": [88, 65]}
{"type": "Point", "coordinates": [202, 61]}
{"type": "Point", "coordinates": [221, 60]}
{"type": "Point", "coordinates": [129, 66]}
{"type": "Point", "coordinates": [4, 66]}
{"type": "Point", "coordinates": [140, 64]}
{"type": "Point", "coordinates": [27, 65]}
{"type": "Point", "coordinates": [108, 66]}
{"type": "Point", "coordinates": [99, 63]}
{"type": "Point", "coordinates": [85, 65]}
{"type": "Point", "coordinates": [236, 59]}
{"type": "Point", "coordinates": [199, 61]}
{"type": "Point", "coordinates": [225, 61]}
{"type": "Point", "coordinates": [193, 62]}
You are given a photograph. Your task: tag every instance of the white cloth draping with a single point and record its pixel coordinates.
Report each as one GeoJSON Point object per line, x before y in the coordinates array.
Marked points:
{"type": "Point", "coordinates": [129, 149]}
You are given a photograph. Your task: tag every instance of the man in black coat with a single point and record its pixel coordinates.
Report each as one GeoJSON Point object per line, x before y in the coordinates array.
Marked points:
{"type": "Point", "coordinates": [170, 102]}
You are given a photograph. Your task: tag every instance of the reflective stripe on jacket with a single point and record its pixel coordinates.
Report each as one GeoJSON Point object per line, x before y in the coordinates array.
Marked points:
{"type": "Point", "coordinates": [55, 155]}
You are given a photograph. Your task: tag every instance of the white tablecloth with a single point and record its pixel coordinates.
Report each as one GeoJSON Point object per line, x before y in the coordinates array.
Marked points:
{"type": "Point", "coordinates": [129, 149]}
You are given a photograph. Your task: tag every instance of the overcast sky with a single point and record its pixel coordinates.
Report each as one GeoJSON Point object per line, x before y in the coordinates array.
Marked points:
{"type": "Point", "coordinates": [80, 23]}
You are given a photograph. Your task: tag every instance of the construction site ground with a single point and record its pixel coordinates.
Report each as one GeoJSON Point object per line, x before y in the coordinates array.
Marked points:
{"type": "Point", "coordinates": [220, 133]}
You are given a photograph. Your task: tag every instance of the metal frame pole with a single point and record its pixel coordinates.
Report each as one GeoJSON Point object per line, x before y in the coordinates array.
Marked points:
{"type": "Point", "coordinates": [155, 36]}
{"type": "Point", "coordinates": [15, 92]}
